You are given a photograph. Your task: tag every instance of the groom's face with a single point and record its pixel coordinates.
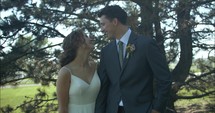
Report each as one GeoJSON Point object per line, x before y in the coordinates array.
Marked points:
{"type": "Point", "coordinates": [107, 26]}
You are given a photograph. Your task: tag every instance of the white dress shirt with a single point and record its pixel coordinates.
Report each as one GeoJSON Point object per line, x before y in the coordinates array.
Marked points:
{"type": "Point", "coordinates": [124, 39]}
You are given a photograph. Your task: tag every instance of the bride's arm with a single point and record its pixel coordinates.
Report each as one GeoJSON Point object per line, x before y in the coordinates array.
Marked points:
{"type": "Point", "coordinates": [63, 84]}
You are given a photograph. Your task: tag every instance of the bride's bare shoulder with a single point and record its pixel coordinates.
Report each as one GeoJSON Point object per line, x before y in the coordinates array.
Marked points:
{"type": "Point", "coordinates": [64, 71]}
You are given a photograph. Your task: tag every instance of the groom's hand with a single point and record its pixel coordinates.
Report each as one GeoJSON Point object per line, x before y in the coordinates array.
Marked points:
{"type": "Point", "coordinates": [154, 111]}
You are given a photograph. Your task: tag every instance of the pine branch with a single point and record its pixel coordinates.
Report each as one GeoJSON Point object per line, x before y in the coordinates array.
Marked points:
{"type": "Point", "coordinates": [196, 96]}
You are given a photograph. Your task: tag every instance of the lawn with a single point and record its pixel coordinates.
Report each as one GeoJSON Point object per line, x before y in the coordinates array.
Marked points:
{"type": "Point", "coordinates": [14, 96]}
{"type": "Point", "coordinates": [202, 105]}
{"type": "Point", "coordinates": [198, 105]}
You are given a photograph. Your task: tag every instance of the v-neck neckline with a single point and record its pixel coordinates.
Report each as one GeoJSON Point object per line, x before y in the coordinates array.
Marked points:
{"type": "Point", "coordinates": [84, 80]}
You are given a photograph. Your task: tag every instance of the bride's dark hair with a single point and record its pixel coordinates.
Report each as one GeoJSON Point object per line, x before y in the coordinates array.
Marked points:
{"type": "Point", "coordinates": [70, 46]}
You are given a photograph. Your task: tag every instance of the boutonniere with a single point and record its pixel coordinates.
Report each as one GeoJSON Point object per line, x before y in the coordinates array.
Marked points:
{"type": "Point", "coordinates": [130, 48]}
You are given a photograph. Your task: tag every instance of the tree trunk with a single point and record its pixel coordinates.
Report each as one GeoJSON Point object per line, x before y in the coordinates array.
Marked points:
{"type": "Point", "coordinates": [181, 71]}
{"type": "Point", "coordinates": [146, 18]}
{"type": "Point", "coordinates": [158, 33]}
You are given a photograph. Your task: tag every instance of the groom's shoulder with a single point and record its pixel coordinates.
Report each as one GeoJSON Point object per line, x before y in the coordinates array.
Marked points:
{"type": "Point", "coordinates": [143, 38]}
{"type": "Point", "coordinates": [109, 45]}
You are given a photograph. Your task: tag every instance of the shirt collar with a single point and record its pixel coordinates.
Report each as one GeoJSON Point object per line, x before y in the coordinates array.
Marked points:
{"type": "Point", "coordinates": [125, 37]}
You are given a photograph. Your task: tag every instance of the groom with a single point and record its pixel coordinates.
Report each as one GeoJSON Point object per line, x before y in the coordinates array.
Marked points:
{"type": "Point", "coordinates": [128, 66]}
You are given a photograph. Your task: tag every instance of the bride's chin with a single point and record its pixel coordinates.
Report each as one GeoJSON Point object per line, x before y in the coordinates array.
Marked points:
{"type": "Point", "coordinates": [91, 49]}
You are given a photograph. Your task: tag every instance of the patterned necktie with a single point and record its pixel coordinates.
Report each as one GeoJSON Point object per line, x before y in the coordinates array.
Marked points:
{"type": "Point", "coordinates": [120, 44]}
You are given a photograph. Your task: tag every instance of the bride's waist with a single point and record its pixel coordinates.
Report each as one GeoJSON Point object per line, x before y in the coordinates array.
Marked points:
{"type": "Point", "coordinates": [81, 103]}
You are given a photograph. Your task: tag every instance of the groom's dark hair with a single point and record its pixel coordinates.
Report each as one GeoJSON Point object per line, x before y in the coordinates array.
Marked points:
{"type": "Point", "coordinates": [114, 11]}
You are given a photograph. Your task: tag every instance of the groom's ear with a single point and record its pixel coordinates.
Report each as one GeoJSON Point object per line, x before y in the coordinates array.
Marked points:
{"type": "Point", "coordinates": [115, 21]}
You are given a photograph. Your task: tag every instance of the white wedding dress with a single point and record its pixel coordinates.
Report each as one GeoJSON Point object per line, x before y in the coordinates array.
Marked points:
{"type": "Point", "coordinates": [82, 96]}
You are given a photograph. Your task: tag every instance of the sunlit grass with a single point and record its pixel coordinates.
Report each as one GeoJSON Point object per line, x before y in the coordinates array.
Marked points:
{"type": "Point", "coordinates": [200, 105]}
{"type": "Point", "coordinates": [15, 96]}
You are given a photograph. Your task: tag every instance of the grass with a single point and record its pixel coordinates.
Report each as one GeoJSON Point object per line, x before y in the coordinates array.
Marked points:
{"type": "Point", "coordinates": [27, 81]}
{"type": "Point", "coordinates": [201, 105]}
{"type": "Point", "coordinates": [198, 105]}
{"type": "Point", "coordinates": [16, 96]}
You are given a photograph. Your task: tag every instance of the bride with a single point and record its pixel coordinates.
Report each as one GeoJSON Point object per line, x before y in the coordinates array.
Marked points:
{"type": "Point", "coordinates": [78, 83]}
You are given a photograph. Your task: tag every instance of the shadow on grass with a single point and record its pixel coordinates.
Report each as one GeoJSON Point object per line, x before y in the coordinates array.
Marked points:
{"type": "Point", "coordinates": [197, 108]}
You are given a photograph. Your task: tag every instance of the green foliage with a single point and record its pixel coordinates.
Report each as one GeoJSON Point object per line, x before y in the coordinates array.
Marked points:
{"type": "Point", "coordinates": [15, 97]}
{"type": "Point", "coordinates": [202, 75]}
{"type": "Point", "coordinates": [205, 65]}
{"type": "Point", "coordinates": [179, 27]}
{"type": "Point", "coordinates": [205, 104]}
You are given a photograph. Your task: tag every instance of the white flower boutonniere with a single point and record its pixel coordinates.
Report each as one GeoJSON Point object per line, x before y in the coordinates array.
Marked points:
{"type": "Point", "coordinates": [130, 49]}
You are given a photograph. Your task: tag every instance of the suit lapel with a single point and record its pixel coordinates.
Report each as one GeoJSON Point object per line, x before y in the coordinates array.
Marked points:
{"type": "Point", "coordinates": [115, 56]}
{"type": "Point", "coordinates": [132, 40]}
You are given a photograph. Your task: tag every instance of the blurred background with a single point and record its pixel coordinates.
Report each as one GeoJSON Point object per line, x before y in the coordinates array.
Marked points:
{"type": "Point", "coordinates": [32, 31]}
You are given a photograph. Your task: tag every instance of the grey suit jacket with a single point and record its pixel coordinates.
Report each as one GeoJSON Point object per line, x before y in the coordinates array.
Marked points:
{"type": "Point", "coordinates": [133, 83]}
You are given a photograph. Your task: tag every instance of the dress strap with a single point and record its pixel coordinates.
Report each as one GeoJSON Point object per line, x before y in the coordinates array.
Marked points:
{"type": "Point", "coordinates": [67, 69]}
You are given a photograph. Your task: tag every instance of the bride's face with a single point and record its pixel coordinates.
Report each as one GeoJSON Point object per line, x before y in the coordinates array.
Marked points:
{"type": "Point", "coordinates": [89, 42]}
